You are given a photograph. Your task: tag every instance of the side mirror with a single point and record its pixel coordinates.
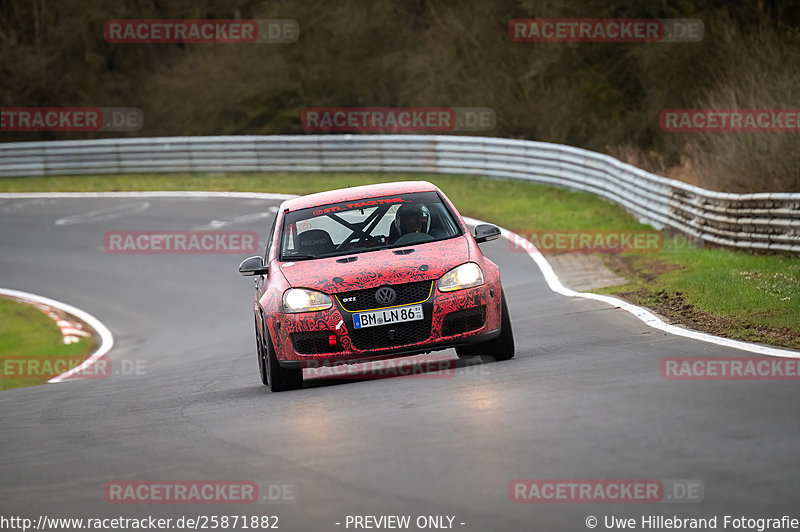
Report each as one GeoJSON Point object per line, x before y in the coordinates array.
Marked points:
{"type": "Point", "coordinates": [486, 232]}
{"type": "Point", "coordinates": [253, 266]}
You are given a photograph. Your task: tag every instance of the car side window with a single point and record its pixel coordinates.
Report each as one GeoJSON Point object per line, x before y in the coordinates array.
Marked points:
{"type": "Point", "coordinates": [270, 239]}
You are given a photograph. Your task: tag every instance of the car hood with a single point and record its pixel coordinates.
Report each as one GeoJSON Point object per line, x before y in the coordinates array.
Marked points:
{"type": "Point", "coordinates": [377, 268]}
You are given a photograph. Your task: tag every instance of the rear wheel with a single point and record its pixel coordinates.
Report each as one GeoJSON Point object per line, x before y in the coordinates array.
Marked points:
{"type": "Point", "coordinates": [500, 348]}
{"type": "Point", "coordinates": [279, 379]}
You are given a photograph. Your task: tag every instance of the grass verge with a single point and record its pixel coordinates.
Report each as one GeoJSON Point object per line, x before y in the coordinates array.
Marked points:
{"type": "Point", "coordinates": [32, 348]}
{"type": "Point", "coordinates": [754, 298]}
{"type": "Point", "coordinates": [748, 297]}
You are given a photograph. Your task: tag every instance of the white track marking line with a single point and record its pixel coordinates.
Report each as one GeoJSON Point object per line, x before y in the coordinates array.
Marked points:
{"type": "Point", "coordinates": [547, 270]}
{"type": "Point", "coordinates": [21, 205]}
{"type": "Point", "coordinates": [641, 313]}
{"type": "Point", "coordinates": [105, 214]}
{"type": "Point", "coordinates": [237, 220]}
{"type": "Point", "coordinates": [106, 338]}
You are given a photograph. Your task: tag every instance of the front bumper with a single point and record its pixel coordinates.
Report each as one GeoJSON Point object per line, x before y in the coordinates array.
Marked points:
{"type": "Point", "coordinates": [329, 337]}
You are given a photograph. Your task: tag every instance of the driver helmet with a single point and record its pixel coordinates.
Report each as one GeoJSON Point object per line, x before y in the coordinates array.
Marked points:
{"type": "Point", "coordinates": [412, 218]}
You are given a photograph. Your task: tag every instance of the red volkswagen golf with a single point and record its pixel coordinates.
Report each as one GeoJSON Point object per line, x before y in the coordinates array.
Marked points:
{"type": "Point", "coordinates": [374, 272]}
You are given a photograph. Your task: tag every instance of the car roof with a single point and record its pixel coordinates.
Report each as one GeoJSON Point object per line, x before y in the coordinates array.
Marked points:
{"type": "Point", "coordinates": [357, 193]}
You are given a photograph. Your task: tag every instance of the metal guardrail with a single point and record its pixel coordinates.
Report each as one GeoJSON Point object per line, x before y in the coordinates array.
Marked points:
{"type": "Point", "coordinates": [764, 221]}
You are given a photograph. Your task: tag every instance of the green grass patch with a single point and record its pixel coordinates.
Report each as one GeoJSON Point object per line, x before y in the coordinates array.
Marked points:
{"type": "Point", "coordinates": [736, 294]}
{"type": "Point", "coordinates": [31, 345]}
{"type": "Point", "coordinates": [730, 293]}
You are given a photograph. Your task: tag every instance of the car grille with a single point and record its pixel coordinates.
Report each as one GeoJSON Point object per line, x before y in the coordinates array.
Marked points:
{"type": "Point", "coordinates": [394, 335]}
{"type": "Point", "coordinates": [407, 294]}
{"type": "Point", "coordinates": [315, 342]}
{"type": "Point", "coordinates": [462, 321]}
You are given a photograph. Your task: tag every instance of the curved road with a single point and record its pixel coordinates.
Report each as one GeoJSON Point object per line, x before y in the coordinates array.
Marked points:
{"type": "Point", "coordinates": [583, 399]}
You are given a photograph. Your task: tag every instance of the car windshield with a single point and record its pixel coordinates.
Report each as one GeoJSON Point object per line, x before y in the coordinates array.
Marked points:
{"type": "Point", "coordinates": [366, 225]}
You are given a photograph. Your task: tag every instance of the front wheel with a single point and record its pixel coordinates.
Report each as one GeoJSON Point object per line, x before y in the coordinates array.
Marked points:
{"type": "Point", "coordinates": [497, 349]}
{"type": "Point", "coordinates": [262, 358]}
{"type": "Point", "coordinates": [278, 379]}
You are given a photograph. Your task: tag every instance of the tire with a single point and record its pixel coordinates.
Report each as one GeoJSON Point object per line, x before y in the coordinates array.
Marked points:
{"type": "Point", "coordinates": [466, 352]}
{"type": "Point", "coordinates": [279, 379]}
{"type": "Point", "coordinates": [262, 361]}
{"type": "Point", "coordinates": [497, 349]}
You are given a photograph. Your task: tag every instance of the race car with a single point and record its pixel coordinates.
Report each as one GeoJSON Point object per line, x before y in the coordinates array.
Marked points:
{"type": "Point", "coordinates": [374, 272]}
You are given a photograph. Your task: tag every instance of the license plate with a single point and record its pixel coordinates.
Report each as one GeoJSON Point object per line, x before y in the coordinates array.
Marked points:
{"type": "Point", "coordinates": [362, 320]}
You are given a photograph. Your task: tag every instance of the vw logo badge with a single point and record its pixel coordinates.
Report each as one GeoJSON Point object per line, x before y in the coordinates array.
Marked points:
{"type": "Point", "coordinates": [385, 295]}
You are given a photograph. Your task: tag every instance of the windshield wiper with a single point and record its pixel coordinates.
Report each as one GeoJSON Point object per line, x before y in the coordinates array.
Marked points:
{"type": "Point", "coordinates": [356, 251]}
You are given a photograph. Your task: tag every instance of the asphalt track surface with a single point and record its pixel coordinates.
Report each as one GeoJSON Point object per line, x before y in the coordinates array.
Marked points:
{"type": "Point", "coordinates": [583, 399]}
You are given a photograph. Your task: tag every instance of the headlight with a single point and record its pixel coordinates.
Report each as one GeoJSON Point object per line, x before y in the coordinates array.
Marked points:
{"type": "Point", "coordinates": [302, 300]}
{"type": "Point", "coordinates": [465, 276]}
